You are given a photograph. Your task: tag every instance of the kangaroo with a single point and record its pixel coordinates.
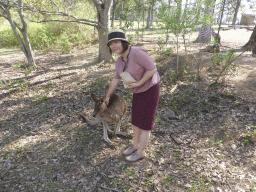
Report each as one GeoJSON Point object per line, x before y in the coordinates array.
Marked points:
{"type": "Point", "coordinates": [108, 113]}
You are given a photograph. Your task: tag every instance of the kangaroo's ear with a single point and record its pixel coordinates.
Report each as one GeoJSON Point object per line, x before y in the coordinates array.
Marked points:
{"type": "Point", "coordinates": [95, 98]}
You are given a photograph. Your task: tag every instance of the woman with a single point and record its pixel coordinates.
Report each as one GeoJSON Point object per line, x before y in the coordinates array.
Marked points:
{"type": "Point", "coordinates": [142, 68]}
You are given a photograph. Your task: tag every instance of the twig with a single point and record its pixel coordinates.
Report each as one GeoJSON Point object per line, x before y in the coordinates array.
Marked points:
{"type": "Point", "coordinates": [101, 174]}
{"type": "Point", "coordinates": [56, 5]}
{"type": "Point", "coordinates": [176, 140]}
{"type": "Point", "coordinates": [108, 188]}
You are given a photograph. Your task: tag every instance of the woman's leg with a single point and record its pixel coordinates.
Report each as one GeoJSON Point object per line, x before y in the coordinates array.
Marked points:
{"type": "Point", "coordinates": [144, 138]}
{"type": "Point", "coordinates": [136, 141]}
{"type": "Point", "coordinates": [137, 136]}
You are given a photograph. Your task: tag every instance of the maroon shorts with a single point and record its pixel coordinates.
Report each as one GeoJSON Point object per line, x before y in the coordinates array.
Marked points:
{"type": "Point", "coordinates": [144, 107]}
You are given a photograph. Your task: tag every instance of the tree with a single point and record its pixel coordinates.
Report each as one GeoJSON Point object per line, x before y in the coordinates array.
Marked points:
{"type": "Point", "coordinates": [251, 44]}
{"type": "Point", "coordinates": [52, 10]}
{"type": "Point", "coordinates": [5, 12]}
{"type": "Point", "coordinates": [150, 13]}
{"type": "Point", "coordinates": [125, 11]}
{"type": "Point", "coordinates": [115, 2]}
{"type": "Point", "coordinates": [236, 11]}
{"type": "Point", "coordinates": [103, 11]}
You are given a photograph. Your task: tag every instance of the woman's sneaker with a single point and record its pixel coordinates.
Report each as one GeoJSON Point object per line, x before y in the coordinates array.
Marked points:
{"type": "Point", "coordinates": [135, 157]}
{"type": "Point", "coordinates": [129, 151]}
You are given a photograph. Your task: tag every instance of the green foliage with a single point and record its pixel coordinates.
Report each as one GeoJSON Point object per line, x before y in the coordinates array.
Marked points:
{"type": "Point", "coordinates": [218, 58]}
{"type": "Point", "coordinates": [130, 39]}
{"type": "Point", "coordinates": [64, 43]}
{"type": "Point", "coordinates": [157, 121]}
{"type": "Point", "coordinates": [160, 43]}
{"type": "Point", "coordinates": [164, 51]}
{"type": "Point", "coordinates": [226, 58]}
{"type": "Point", "coordinates": [248, 138]}
{"type": "Point", "coordinates": [178, 20]}
{"type": "Point", "coordinates": [168, 52]}
{"type": "Point", "coordinates": [49, 36]}
{"type": "Point", "coordinates": [27, 71]}
{"type": "Point", "coordinates": [8, 38]}
{"type": "Point", "coordinates": [125, 11]}
{"type": "Point", "coordinates": [41, 37]}
{"type": "Point", "coordinates": [219, 142]}
{"type": "Point", "coordinates": [168, 181]}
{"type": "Point", "coordinates": [16, 65]}
{"type": "Point", "coordinates": [64, 36]}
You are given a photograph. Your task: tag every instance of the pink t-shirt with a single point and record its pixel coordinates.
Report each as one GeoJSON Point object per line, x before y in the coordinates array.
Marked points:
{"type": "Point", "coordinates": [137, 64]}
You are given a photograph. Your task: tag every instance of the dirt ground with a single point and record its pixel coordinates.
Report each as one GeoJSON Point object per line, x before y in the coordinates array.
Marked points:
{"type": "Point", "coordinates": [204, 138]}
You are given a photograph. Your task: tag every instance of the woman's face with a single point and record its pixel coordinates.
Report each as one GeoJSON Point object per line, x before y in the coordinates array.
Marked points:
{"type": "Point", "coordinates": [116, 47]}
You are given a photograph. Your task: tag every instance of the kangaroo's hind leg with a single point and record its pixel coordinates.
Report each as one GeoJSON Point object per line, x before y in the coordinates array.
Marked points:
{"type": "Point", "coordinates": [117, 129]}
{"type": "Point", "coordinates": [105, 129]}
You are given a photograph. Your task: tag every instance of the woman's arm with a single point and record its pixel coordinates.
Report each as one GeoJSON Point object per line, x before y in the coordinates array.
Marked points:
{"type": "Point", "coordinates": [112, 87]}
{"type": "Point", "coordinates": [146, 77]}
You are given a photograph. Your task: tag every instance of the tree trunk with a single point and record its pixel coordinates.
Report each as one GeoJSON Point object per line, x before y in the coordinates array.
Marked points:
{"type": "Point", "coordinates": [148, 18]}
{"type": "Point", "coordinates": [24, 32]}
{"type": "Point", "coordinates": [120, 20]}
{"type": "Point", "coordinates": [236, 11]}
{"type": "Point", "coordinates": [103, 29]}
{"type": "Point", "coordinates": [139, 10]}
{"type": "Point", "coordinates": [113, 12]}
{"type": "Point", "coordinates": [24, 45]}
{"type": "Point", "coordinates": [251, 44]}
{"type": "Point", "coordinates": [150, 15]}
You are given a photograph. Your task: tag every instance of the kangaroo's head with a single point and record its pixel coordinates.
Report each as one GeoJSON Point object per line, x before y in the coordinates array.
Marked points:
{"type": "Point", "coordinates": [99, 105]}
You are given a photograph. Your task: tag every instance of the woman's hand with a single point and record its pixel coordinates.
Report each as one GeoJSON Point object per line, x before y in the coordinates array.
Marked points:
{"type": "Point", "coordinates": [107, 100]}
{"type": "Point", "coordinates": [134, 85]}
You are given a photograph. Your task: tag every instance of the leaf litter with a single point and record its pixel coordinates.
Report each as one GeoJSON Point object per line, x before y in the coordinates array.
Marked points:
{"type": "Point", "coordinates": [204, 139]}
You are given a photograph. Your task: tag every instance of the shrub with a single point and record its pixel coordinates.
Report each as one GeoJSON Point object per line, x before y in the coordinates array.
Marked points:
{"type": "Point", "coordinates": [49, 36]}
{"type": "Point", "coordinates": [7, 37]}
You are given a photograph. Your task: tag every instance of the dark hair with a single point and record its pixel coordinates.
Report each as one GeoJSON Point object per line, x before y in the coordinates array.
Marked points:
{"type": "Point", "coordinates": [124, 44]}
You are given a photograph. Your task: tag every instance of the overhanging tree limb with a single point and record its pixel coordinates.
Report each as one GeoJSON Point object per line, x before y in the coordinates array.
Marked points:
{"type": "Point", "coordinates": [59, 13]}
{"type": "Point", "coordinates": [59, 20]}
